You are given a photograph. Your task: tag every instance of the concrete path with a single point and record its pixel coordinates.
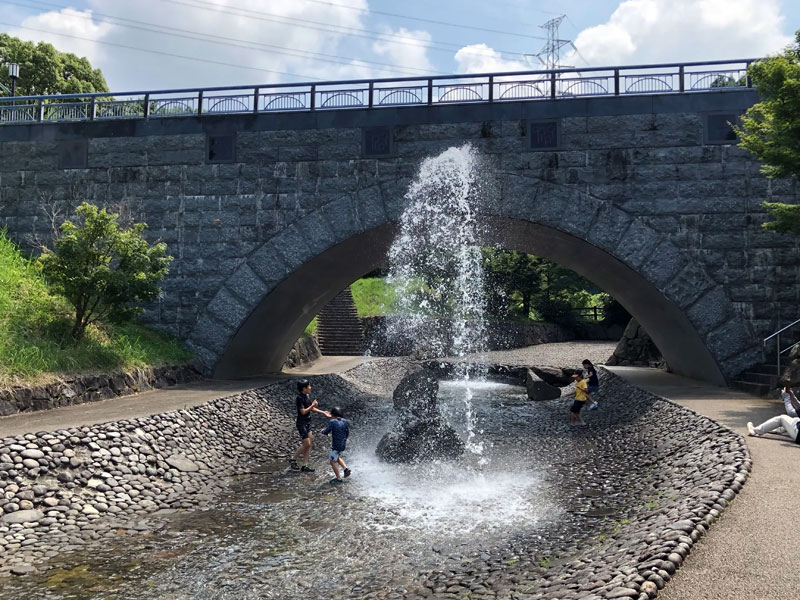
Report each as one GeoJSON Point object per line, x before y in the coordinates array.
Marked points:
{"type": "Point", "coordinates": [126, 407]}
{"type": "Point", "coordinates": [158, 401]}
{"type": "Point", "coordinates": [752, 552]}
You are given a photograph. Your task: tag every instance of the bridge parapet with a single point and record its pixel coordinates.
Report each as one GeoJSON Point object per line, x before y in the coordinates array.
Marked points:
{"type": "Point", "coordinates": [678, 78]}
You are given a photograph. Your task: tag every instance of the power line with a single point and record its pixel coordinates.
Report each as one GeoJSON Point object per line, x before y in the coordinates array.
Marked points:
{"type": "Point", "coordinates": [194, 58]}
{"type": "Point", "coordinates": [421, 19]}
{"type": "Point", "coordinates": [321, 26]}
{"type": "Point", "coordinates": [192, 35]}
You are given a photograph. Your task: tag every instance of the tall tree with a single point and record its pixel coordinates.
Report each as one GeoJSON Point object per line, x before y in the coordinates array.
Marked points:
{"type": "Point", "coordinates": [45, 70]}
{"type": "Point", "coordinates": [771, 128]}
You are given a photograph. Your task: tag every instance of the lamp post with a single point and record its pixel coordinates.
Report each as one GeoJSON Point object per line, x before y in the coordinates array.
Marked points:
{"type": "Point", "coordinates": [13, 73]}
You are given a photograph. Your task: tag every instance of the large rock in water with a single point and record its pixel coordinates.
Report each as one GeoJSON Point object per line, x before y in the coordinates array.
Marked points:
{"type": "Point", "coordinates": [538, 389]}
{"type": "Point", "coordinates": [420, 433]}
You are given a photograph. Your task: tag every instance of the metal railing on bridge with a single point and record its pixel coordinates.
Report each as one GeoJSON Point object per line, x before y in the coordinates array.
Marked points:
{"type": "Point", "coordinates": [378, 93]}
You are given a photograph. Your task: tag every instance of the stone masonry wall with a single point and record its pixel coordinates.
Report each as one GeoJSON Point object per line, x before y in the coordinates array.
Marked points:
{"type": "Point", "coordinates": [93, 388]}
{"type": "Point", "coordinates": [299, 184]}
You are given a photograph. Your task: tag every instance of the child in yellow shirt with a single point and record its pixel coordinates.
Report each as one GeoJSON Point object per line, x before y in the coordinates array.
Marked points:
{"type": "Point", "coordinates": [581, 396]}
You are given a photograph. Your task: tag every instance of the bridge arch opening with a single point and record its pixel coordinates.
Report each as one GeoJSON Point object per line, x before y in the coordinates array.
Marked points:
{"type": "Point", "coordinates": [264, 338]}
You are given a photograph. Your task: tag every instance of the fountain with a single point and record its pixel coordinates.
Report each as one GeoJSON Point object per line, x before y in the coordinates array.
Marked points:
{"type": "Point", "coordinates": [436, 270]}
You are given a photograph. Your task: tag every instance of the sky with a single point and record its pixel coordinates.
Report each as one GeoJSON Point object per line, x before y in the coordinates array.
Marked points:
{"type": "Point", "coordinates": [168, 44]}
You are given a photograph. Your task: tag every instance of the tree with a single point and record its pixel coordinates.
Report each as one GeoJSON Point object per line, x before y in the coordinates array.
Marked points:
{"type": "Point", "coordinates": [521, 283]}
{"type": "Point", "coordinates": [771, 128]}
{"type": "Point", "coordinates": [105, 270]}
{"type": "Point", "coordinates": [45, 70]}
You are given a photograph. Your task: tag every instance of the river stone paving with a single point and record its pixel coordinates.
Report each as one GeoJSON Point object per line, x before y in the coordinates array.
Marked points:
{"type": "Point", "coordinates": [638, 488]}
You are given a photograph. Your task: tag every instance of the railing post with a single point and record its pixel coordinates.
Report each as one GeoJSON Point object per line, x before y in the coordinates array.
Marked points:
{"type": "Point", "coordinates": [747, 80]}
{"type": "Point", "coordinates": [430, 91]}
{"type": "Point", "coordinates": [491, 88]}
{"type": "Point", "coordinates": [313, 101]}
{"type": "Point", "coordinates": [93, 109]}
{"type": "Point", "coordinates": [40, 110]}
{"type": "Point", "coordinates": [147, 106]}
{"type": "Point", "coordinates": [552, 85]}
{"type": "Point", "coordinates": [200, 102]}
{"type": "Point", "coordinates": [371, 94]}
{"type": "Point", "coordinates": [681, 82]}
{"type": "Point", "coordinates": [256, 94]}
{"type": "Point", "coordinates": [616, 82]}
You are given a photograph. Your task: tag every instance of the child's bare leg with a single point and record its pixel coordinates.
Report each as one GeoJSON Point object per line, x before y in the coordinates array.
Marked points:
{"type": "Point", "coordinates": [341, 462]}
{"type": "Point", "coordinates": [335, 467]}
{"type": "Point", "coordinates": [307, 449]}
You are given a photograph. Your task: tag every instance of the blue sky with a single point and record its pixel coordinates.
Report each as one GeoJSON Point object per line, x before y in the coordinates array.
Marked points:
{"type": "Point", "coordinates": [231, 42]}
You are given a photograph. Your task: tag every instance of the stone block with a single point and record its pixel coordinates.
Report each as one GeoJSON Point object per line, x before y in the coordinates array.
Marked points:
{"type": "Point", "coordinates": [291, 244]}
{"type": "Point", "coordinates": [342, 217]}
{"type": "Point", "coordinates": [369, 207]}
{"type": "Point", "coordinates": [636, 244]}
{"type": "Point", "coordinates": [710, 311]}
{"type": "Point", "coordinates": [317, 232]}
{"type": "Point", "coordinates": [228, 308]}
{"type": "Point", "coordinates": [538, 389]}
{"type": "Point", "coordinates": [212, 334]}
{"type": "Point", "coordinates": [608, 228]}
{"type": "Point", "coordinates": [663, 264]}
{"type": "Point", "coordinates": [688, 285]}
{"type": "Point", "coordinates": [393, 193]}
{"type": "Point", "coordinates": [730, 339]}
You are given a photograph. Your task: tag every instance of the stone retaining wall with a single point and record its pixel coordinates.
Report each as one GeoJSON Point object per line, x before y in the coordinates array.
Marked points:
{"type": "Point", "coordinates": [304, 351]}
{"type": "Point", "coordinates": [501, 336]}
{"type": "Point", "coordinates": [92, 388]}
{"type": "Point", "coordinates": [636, 348]}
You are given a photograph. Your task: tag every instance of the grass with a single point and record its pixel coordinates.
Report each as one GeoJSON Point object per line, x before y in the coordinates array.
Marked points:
{"type": "Point", "coordinates": [35, 345]}
{"type": "Point", "coordinates": [373, 297]}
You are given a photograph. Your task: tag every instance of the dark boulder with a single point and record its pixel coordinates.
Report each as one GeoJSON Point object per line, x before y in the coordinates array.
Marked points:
{"type": "Point", "coordinates": [420, 433]}
{"type": "Point", "coordinates": [538, 389]}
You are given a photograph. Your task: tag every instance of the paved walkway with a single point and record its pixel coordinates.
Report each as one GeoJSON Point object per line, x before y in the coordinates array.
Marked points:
{"type": "Point", "coordinates": [751, 553]}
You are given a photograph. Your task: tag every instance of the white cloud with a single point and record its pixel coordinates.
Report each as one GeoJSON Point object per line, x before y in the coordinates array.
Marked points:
{"type": "Point", "coordinates": [410, 53]}
{"type": "Point", "coordinates": [480, 58]}
{"type": "Point", "coordinates": [314, 31]}
{"type": "Point", "coordinates": [649, 31]}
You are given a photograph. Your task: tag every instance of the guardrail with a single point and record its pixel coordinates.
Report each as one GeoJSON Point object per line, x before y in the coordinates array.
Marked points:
{"type": "Point", "coordinates": [377, 93]}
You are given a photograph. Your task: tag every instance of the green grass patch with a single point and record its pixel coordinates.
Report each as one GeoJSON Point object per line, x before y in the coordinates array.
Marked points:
{"type": "Point", "coordinates": [35, 345]}
{"type": "Point", "coordinates": [311, 328]}
{"type": "Point", "coordinates": [373, 297]}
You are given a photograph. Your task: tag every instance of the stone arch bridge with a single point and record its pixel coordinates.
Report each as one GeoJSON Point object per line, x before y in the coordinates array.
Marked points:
{"type": "Point", "coordinates": [270, 214]}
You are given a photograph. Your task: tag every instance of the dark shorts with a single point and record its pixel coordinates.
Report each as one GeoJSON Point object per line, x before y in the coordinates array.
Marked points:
{"type": "Point", "coordinates": [593, 389]}
{"type": "Point", "coordinates": [304, 429]}
{"type": "Point", "coordinates": [576, 407]}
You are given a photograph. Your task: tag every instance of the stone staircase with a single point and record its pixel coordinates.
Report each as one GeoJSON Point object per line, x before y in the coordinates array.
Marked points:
{"type": "Point", "coordinates": [759, 379]}
{"type": "Point", "coordinates": [339, 330]}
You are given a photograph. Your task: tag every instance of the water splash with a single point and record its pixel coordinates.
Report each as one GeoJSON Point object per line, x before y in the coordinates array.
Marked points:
{"type": "Point", "coordinates": [436, 267]}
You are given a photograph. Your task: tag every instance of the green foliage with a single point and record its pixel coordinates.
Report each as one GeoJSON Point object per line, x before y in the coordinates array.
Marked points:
{"type": "Point", "coordinates": [524, 286]}
{"type": "Point", "coordinates": [373, 296]}
{"type": "Point", "coordinates": [104, 270]}
{"type": "Point", "coordinates": [36, 344]}
{"type": "Point", "coordinates": [45, 70]}
{"type": "Point", "coordinates": [771, 128]}
{"type": "Point", "coordinates": [785, 217]}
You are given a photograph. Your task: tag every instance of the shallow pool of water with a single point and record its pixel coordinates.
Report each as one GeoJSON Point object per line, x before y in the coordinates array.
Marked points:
{"type": "Point", "coordinates": [283, 534]}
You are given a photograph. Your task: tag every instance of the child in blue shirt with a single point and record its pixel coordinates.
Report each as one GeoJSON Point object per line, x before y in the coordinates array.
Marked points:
{"type": "Point", "coordinates": [339, 430]}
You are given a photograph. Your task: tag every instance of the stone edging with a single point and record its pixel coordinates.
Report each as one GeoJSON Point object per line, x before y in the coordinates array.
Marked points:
{"type": "Point", "coordinates": [75, 486]}
{"type": "Point", "coordinates": [92, 388]}
{"type": "Point", "coordinates": [656, 556]}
